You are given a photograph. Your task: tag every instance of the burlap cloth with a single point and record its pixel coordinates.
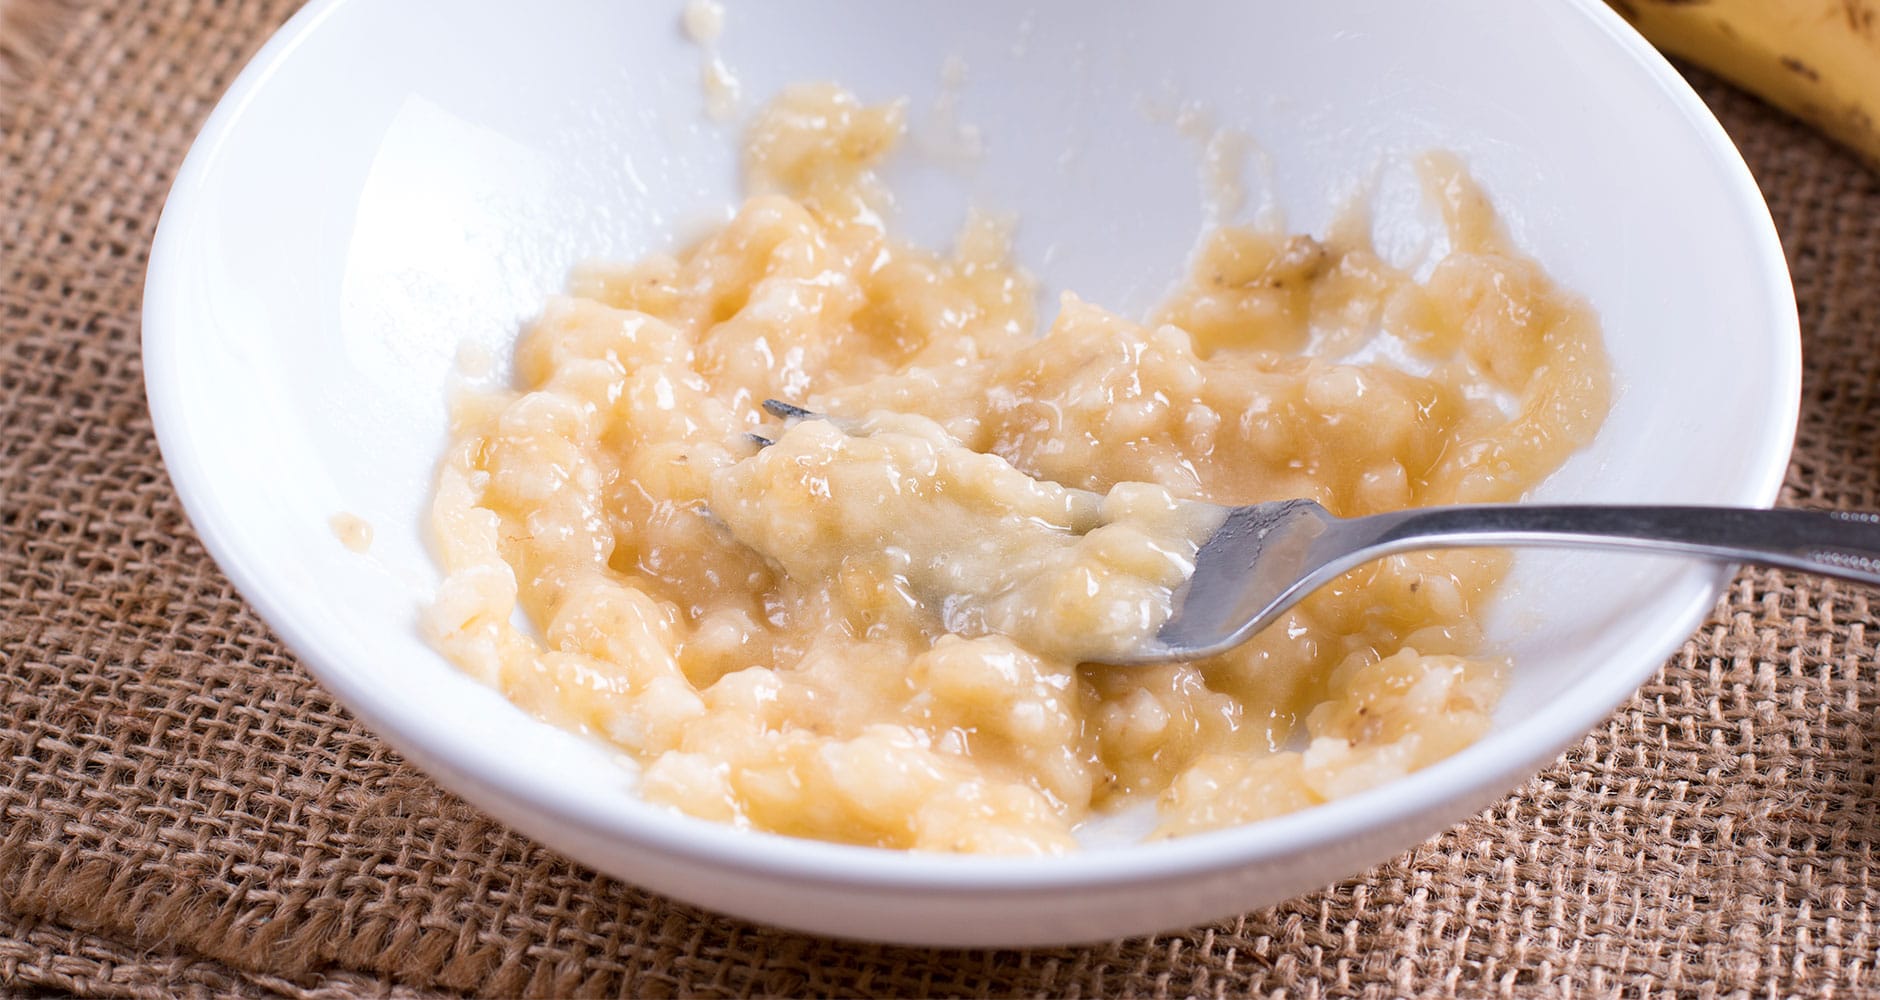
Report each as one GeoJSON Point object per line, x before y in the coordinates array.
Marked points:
{"type": "Point", "coordinates": [183, 810]}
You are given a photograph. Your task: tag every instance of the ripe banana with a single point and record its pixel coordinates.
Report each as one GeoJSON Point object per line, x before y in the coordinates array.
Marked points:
{"type": "Point", "coordinates": [1817, 59]}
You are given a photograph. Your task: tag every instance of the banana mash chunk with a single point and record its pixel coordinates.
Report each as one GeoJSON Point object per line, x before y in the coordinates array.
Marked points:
{"type": "Point", "coordinates": [932, 538]}
{"type": "Point", "coordinates": [879, 637]}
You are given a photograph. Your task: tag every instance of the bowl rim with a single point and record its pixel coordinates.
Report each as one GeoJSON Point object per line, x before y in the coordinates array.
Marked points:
{"type": "Point", "coordinates": [428, 740]}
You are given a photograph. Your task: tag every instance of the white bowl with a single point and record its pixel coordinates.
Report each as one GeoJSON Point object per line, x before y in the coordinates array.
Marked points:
{"type": "Point", "coordinates": [386, 182]}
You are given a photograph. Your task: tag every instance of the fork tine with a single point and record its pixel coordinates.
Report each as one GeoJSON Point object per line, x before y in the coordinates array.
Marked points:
{"type": "Point", "coordinates": [788, 411]}
{"type": "Point", "coordinates": [760, 440]}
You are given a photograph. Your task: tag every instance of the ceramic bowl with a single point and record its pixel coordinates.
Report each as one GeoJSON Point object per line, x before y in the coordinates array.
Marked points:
{"type": "Point", "coordinates": [387, 183]}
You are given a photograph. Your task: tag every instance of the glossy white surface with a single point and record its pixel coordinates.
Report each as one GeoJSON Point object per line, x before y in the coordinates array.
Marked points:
{"type": "Point", "coordinates": [390, 181]}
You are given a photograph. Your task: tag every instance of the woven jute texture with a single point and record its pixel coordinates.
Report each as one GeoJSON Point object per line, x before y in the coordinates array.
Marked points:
{"type": "Point", "coordinates": [182, 810]}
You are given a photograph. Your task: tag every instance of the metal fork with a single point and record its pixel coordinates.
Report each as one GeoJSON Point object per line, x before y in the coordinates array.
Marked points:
{"type": "Point", "coordinates": [1266, 557]}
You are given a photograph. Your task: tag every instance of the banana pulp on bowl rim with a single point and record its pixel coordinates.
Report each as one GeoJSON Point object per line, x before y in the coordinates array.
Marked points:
{"type": "Point", "coordinates": [875, 638]}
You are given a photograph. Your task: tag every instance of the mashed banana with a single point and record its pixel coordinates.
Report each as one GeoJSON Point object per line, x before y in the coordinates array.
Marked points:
{"type": "Point", "coordinates": [931, 538]}
{"type": "Point", "coordinates": [875, 637]}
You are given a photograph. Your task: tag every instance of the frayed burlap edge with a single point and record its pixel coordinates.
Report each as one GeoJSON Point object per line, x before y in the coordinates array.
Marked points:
{"type": "Point", "coordinates": [29, 33]}
{"type": "Point", "coordinates": [41, 957]}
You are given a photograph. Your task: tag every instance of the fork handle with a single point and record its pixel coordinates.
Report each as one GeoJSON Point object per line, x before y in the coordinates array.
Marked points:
{"type": "Point", "coordinates": [1843, 544]}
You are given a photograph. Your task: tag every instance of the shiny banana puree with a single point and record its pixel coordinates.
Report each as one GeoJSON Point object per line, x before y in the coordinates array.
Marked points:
{"type": "Point", "coordinates": [933, 538]}
{"type": "Point", "coordinates": [870, 631]}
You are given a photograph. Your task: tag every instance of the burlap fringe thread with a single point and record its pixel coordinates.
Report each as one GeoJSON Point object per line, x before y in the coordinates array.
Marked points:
{"type": "Point", "coordinates": [29, 31]}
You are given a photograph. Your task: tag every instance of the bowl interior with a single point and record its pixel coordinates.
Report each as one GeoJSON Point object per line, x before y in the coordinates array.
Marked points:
{"type": "Point", "coordinates": [378, 192]}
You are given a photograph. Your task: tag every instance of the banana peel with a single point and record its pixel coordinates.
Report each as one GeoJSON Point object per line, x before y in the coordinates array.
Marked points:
{"type": "Point", "coordinates": [1819, 60]}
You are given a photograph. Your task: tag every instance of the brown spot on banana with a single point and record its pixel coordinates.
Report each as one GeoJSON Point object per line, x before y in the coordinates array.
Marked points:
{"type": "Point", "coordinates": [1860, 17]}
{"type": "Point", "coordinates": [1795, 65]}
